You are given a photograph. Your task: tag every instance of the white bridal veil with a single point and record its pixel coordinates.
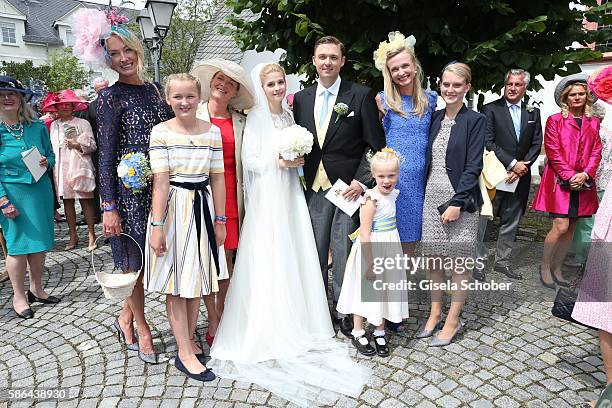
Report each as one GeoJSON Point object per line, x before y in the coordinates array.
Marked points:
{"type": "Point", "coordinates": [276, 329]}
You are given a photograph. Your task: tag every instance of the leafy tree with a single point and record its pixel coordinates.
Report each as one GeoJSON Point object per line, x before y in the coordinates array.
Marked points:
{"type": "Point", "coordinates": [490, 35]}
{"type": "Point", "coordinates": [25, 71]}
{"type": "Point", "coordinates": [187, 30]}
{"type": "Point", "coordinates": [65, 72]}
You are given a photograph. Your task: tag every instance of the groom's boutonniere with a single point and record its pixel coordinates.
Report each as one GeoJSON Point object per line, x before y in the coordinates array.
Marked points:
{"type": "Point", "coordinates": [529, 108]}
{"type": "Point", "coordinates": [341, 109]}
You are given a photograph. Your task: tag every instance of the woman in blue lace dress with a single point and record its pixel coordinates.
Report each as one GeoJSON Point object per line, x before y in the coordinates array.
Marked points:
{"type": "Point", "coordinates": [126, 113]}
{"type": "Point", "coordinates": [405, 109]}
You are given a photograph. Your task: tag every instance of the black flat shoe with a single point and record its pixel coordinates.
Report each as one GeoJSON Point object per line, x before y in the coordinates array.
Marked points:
{"type": "Point", "coordinates": [365, 349]}
{"type": "Point", "coordinates": [26, 314]}
{"type": "Point", "coordinates": [51, 300]}
{"type": "Point", "coordinates": [381, 346]}
{"type": "Point", "coordinates": [508, 272]}
{"type": "Point", "coordinates": [206, 375]}
{"type": "Point", "coordinates": [547, 285]}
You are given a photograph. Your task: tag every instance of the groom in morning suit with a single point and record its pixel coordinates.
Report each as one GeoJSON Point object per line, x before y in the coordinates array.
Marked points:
{"type": "Point", "coordinates": [341, 141]}
{"type": "Point", "coordinates": [514, 133]}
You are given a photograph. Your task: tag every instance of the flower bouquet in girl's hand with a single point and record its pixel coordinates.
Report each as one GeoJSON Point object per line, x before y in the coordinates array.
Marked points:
{"type": "Point", "coordinates": [295, 141]}
{"type": "Point", "coordinates": [134, 171]}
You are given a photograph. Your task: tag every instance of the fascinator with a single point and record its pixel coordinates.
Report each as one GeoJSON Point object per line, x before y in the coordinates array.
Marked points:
{"type": "Point", "coordinates": [92, 27]}
{"type": "Point", "coordinates": [397, 41]}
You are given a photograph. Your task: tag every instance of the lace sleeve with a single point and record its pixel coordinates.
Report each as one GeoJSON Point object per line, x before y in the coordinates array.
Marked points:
{"type": "Point", "coordinates": [108, 115]}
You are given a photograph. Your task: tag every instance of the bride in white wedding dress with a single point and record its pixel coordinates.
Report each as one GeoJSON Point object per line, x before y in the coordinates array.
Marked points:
{"type": "Point", "coordinates": [276, 329]}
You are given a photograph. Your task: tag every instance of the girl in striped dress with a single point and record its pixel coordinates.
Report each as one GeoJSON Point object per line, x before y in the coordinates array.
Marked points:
{"type": "Point", "coordinates": [186, 230]}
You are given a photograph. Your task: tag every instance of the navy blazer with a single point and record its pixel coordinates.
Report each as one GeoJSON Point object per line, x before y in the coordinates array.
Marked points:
{"type": "Point", "coordinates": [463, 155]}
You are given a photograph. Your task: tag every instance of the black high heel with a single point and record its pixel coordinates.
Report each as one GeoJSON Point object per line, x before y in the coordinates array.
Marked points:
{"type": "Point", "coordinates": [547, 285]}
{"type": "Point", "coordinates": [121, 335]}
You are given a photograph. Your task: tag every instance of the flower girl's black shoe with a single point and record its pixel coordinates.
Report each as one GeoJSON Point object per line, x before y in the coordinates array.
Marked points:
{"type": "Point", "coordinates": [365, 349]}
{"type": "Point", "coordinates": [381, 346]}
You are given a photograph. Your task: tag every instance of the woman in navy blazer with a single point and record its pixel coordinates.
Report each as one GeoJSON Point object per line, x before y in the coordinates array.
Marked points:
{"type": "Point", "coordinates": [452, 197]}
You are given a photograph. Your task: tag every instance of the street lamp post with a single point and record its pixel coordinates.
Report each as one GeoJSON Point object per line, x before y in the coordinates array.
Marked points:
{"type": "Point", "coordinates": [154, 21]}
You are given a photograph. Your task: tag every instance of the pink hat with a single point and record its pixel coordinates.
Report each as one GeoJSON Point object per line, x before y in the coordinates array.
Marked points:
{"type": "Point", "coordinates": [65, 96]}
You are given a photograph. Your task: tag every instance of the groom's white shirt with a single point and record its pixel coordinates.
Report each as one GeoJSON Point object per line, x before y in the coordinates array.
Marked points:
{"type": "Point", "coordinates": [334, 89]}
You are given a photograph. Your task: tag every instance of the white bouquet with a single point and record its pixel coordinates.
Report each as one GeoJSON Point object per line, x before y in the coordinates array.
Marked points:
{"type": "Point", "coordinates": [295, 141]}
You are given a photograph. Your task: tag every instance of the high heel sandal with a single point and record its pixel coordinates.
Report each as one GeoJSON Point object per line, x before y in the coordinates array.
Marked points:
{"type": "Point", "coordinates": [209, 339]}
{"type": "Point", "coordinates": [547, 285]}
{"type": "Point", "coordinates": [133, 346]}
{"type": "Point", "coordinates": [562, 283]}
{"type": "Point", "coordinates": [149, 358]}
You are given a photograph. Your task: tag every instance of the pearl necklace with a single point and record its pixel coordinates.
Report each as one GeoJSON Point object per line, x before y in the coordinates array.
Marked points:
{"type": "Point", "coordinates": [15, 130]}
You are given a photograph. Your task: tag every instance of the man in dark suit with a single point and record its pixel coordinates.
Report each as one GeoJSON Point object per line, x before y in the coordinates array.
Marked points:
{"type": "Point", "coordinates": [514, 133]}
{"type": "Point", "coordinates": [342, 137]}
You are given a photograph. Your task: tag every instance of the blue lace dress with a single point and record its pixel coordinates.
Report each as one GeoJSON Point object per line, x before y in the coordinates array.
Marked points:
{"type": "Point", "coordinates": [409, 135]}
{"type": "Point", "coordinates": [125, 115]}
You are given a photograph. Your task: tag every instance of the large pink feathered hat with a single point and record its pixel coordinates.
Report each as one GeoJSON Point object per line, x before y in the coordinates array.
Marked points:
{"type": "Point", "coordinates": [91, 28]}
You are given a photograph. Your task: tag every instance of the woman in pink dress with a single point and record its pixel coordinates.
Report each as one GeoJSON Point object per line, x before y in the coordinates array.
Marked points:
{"type": "Point", "coordinates": [73, 142]}
{"type": "Point", "coordinates": [567, 190]}
{"type": "Point", "coordinates": [594, 304]}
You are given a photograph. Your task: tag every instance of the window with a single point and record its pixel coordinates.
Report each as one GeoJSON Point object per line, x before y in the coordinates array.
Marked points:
{"type": "Point", "coordinates": [605, 46]}
{"type": "Point", "coordinates": [69, 38]}
{"type": "Point", "coordinates": [8, 33]}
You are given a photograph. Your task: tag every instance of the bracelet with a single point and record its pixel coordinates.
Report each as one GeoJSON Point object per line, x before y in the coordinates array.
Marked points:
{"type": "Point", "coordinates": [109, 207]}
{"type": "Point", "coordinates": [219, 222]}
{"type": "Point", "coordinates": [157, 223]}
{"type": "Point", "coordinates": [221, 218]}
{"type": "Point", "coordinates": [5, 205]}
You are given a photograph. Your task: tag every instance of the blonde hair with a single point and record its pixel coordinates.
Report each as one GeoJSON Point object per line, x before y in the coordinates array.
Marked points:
{"type": "Point", "coordinates": [131, 41]}
{"type": "Point", "coordinates": [386, 154]}
{"type": "Point", "coordinates": [182, 77]}
{"type": "Point", "coordinates": [25, 113]}
{"type": "Point", "coordinates": [392, 94]}
{"type": "Point", "coordinates": [588, 106]}
{"type": "Point", "coordinates": [268, 69]}
{"type": "Point", "coordinates": [460, 69]}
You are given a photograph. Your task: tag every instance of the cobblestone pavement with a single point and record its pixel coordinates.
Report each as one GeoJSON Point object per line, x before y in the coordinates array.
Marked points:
{"type": "Point", "coordinates": [512, 352]}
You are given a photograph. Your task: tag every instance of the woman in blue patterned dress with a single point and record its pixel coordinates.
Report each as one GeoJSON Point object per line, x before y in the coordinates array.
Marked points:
{"type": "Point", "coordinates": [126, 113]}
{"type": "Point", "coordinates": [405, 109]}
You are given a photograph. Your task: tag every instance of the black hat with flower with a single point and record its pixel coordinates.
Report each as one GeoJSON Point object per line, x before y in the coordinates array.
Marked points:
{"type": "Point", "coordinates": [8, 83]}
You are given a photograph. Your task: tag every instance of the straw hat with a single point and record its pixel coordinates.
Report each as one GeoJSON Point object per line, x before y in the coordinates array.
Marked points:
{"type": "Point", "coordinates": [65, 96]}
{"type": "Point", "coordinates": [571, 80]}
{"type": "Point", "coordinates": [205, 70]}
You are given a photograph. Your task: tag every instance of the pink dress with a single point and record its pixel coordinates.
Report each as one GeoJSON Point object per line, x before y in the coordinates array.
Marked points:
{"type": "Point", "coordinates": [63, 156]}
{"type": "Point", "coordinates": [570, 149]}
{"type": "Point", "coordinates": [594, 304]}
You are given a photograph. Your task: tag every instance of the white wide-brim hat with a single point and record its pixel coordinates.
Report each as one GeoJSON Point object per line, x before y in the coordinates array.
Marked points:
{"type": "Point", "coordinates": [579, 78]}
{"type": "Point", "coordinates": [205, 70]}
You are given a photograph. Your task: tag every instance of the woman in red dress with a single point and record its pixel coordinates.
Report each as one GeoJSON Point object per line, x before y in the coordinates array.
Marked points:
{"type": "Point", "coordinates": [226, 90]}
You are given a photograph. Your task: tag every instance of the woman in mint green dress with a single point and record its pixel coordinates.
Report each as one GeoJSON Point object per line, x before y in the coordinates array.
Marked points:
{"type": "Point", "coordinates": [26, 204]}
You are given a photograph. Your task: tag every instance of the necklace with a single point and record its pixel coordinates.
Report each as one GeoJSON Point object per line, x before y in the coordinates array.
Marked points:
{"type": "Point", "coordinates": [15, 130]}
